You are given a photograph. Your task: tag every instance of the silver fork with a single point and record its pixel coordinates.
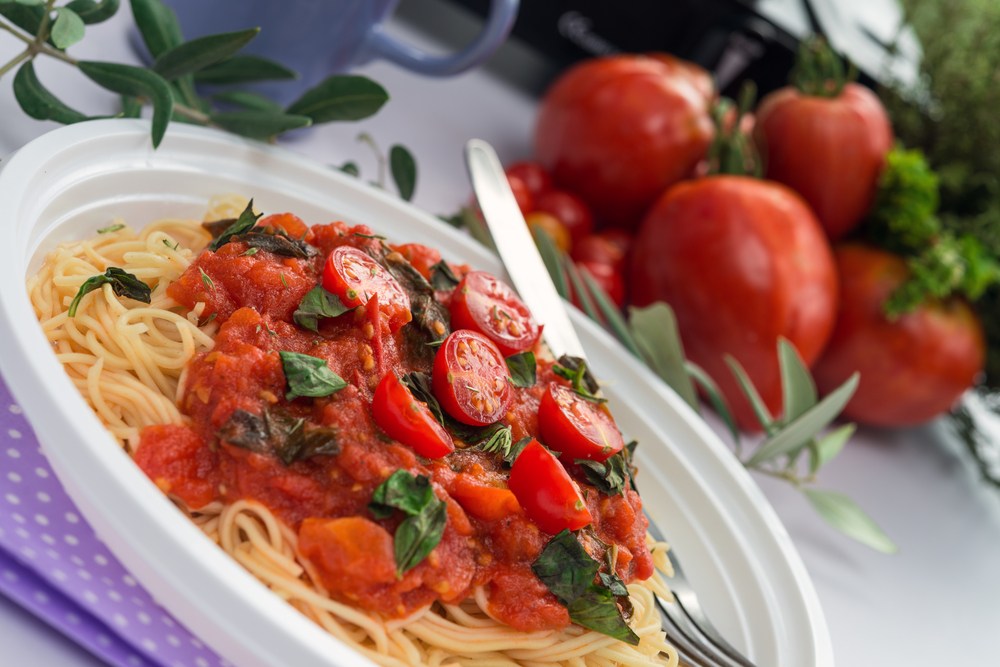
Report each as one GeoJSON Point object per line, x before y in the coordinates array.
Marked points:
{"type": "Point", "coordinates": [684, 620]}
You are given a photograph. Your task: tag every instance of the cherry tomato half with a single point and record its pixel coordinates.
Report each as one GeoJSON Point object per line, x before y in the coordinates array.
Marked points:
{"type": "Point", "coordinates": [409, 421]}
{"type": "Point", "coordinates": [354, 277]}
{"type": "Point", "coordinates": [471, 379]}
{"type": "Point", "coordinates": [487, 305]}
{"type": "Point", "coordinates": [576, 427]}
{"type": "Point", "coordinates": [534, 176]}
{"type": "Point", "coordinates": [569, 210]}
{"type": "Point", "coordinates": [546, 492]}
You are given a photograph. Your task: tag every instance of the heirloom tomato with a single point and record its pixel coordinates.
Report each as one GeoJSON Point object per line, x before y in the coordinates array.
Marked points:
{"type": "Point", "coordinates": [913, 367]}
{"type": "Point", "coordinates": [618, 130]}
{"type": "Point", "coordinates": [830, 150]}
{"type": "Point", "coordinates": [742, 262]}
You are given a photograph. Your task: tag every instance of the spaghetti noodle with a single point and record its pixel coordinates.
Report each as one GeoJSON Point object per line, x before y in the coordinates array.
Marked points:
{"type": "Point", "coordinates": [130, 362]}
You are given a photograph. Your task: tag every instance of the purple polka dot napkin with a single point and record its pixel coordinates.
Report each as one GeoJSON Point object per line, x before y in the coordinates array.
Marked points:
{"type": "Point", "coordinates": [53, 565]}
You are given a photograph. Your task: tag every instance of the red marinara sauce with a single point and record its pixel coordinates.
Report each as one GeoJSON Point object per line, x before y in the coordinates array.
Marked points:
{"type": "Point", "coordinates": [237, 392]}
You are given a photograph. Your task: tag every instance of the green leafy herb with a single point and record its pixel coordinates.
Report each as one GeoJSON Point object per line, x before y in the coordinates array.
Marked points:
{"type": "Point", "coordinates": [424, 526]}
{"type": "Point", "coordinates": [442, 277]}
{"type": "Point", "coordinates": [206, 279]}
{"type": "Point", "coordinates": [122, 283]}
{"type": "Point", "coordinates": [315, 304]}
{"type": "Point", "coordinates": [112, 228]}
{"type": "Point", "coordinates": [309, 376]}
{"type": "Point", "coordinates": [659, 342]}
{"type": "Point", "coordinates": [157, 24]}
{"type": "Point", "coordinates": [259, 124]}
{"type": "Point", "coordinates": [94, 11]}
{"type": "Point", "coordinates": [277, 433]}
{"type": "Point", "coordinates": [250, 252]}
{"type": "Point", "coordinates": [404, 171]}
{"type": "Point", "coordinates": [275, 242]}
{"type": "Point", "coordinates": [569, 572]}
{"type": "Point", "coordinates": [350, 168]}
{"type": "Point", "coordinates": [245, 99]}
{"type": "Point", "coordinates": [523, 370]}
{"type": "Point", "coordinates": [340, 97]}
{"type": "Point", "coordinates": [244, 69]}
{"type": "Point", "coordinates": [574, 369]}
{"type": "Point", "coordinates": [136, 81]}
{"type": "Point", "coordinates": [499, 442]}
{"type": "Point", "coordinates": [189, 57]}
{"type": "Point", "coordinates": [244, 223]}
{"type": "Point", "coordinates": [844, 514]}
{"type": "Point", "coordinates": [67, 29]}
{"type": "Point", "coordinates": [609, 476]}
{"type": "Point", "coordinates": [36, 100]}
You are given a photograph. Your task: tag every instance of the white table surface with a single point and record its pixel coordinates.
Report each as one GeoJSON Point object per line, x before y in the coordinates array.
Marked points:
{"type": "Point", "coordinates": [936, 602]}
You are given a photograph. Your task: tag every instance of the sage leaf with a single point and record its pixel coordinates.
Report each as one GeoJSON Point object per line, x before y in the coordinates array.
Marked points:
{"type": "Point", "coordinates": [550, 257]}
{"type": "Point", "coordinates": [714, 395]}
{"type": "Point", "coordinates": [157, 25]}
{"type": "Point", "coordinates": [523, 371]}
{"type": "Point", "coordinates": [798, 433]}
{"type": "Point", "coordinates": [797, 387]}
{"type": "Point", "coordinates": [341, 97]}
{"type": "Point", "coordinates": [417, 536]}
{"type": "Point", "coordinates": [654, 329]}
{"type": "Point", "coordinates": [750, 391]}
{"type": "Point", "coordinates": [67, 29]}
{"type": "Point", "coordinates": [315, 304]}
{"type": "Point", "coordinates": [243, 224]}
{"type": "Point", "coordinates": [246, 99]}
{"type": "Point", "coordinates": [244, 69]}
{"type": "Point", "coordinates": [189, 57]}
{"type": "Point", "coordinates": [844, 514]}
{"type": "Point", "coordinates": [402, 491]}
{"type": "Point", "coordinates": [122, 283]}
{"type": "Point", "coordinates": [94, 11]}
{"type": "Point", "coordinates": [136, 81]}
{"type": "Point", "coordinates": [259, 124]}
{"type": "Point", "coordinates": [404, 171]}
{"type": "Point", "coordinates": [612, 315]}
{"type": "Point", "coordinates": [309, 376]}
{"type": "Point", "coordinates": [826, 448]}
{"type": "Point", "coordinates": [36, 100]}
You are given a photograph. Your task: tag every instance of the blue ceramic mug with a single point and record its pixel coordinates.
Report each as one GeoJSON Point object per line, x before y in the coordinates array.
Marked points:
{"type": "Point", "coordinates": [319, 37]}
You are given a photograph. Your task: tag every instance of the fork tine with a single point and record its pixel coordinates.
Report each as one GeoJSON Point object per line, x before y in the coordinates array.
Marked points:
{"type": "Point", "coordinates": [691, 652]}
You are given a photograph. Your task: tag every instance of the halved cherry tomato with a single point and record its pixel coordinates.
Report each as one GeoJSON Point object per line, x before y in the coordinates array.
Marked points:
{"type": "Point", "coordinates": [550, 224]}
{"type": "Point", "coordinates": [569, 210]}
{"type": "Point", "coordinates": [471, 379]}
{"type": "Point", "coordinates": [354, 277]}
{"type": "Point", "coordinates": [533, 175]}
{"type": "Point", "coordinates": [483, 500]}
{"type": "Point", "coordinates": [576, 427]}
{"type": "Point", "coordinates": [545, 490]}
{"type": "Point", "coordinates": [486, 304]}
{"type": "Point", "coordinates": [409, 421]}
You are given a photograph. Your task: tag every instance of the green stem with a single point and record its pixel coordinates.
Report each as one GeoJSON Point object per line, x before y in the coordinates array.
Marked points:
{"type": "Point", "coordinates": [784, 475]}
{"type": "Point", "coordinates": [192, 114]}
{"type": "Point", "coordinates": [17, 60]}
{"type": "Point", "coordinates": [17, 33]}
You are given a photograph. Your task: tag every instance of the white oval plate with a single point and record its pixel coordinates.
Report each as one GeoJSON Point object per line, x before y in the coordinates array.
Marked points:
{"type": "Point", "coordinates": [67, 184]}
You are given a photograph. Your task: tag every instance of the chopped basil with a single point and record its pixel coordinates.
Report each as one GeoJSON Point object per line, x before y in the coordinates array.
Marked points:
{"type": "Point", "coordinates": [575, 370]}
{"type": "Point", "coordinates": [122, 283]}
{"type": "Point", "coordinates": [244, 223]}
{"type": "Point", "coordinates": [499, 442]}
{"type": "Point", "coordinates": [206, 279]}
{"type": "Point", "coordinates": [569, 572]}
{"type": "Point", "coordinates": [423, 528]}
{"type": "Point", "coordinates": [277, 433]}
{"type": "Point", "coordinates": [111, 228]}
{"type": "Point", "coordinates": [315, 304]}
{"type": "Point", "coordinates": [442, 277]}
{"type": "Point", "coordinates": [523, 372]}
{"type": "Point", "coordinates": [309, 376]}
{"type": "Point", "coordinates": [369, 236]}
{"type": "Point", "coordinates": [249, 252]}
{"type": "Point", "coordinates": [610, 476]}
{"type": "Point", "coordinates": [431, 319]}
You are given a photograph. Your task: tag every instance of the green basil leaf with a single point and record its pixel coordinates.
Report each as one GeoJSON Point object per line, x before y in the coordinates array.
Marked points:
{"type": "Point", "coordinates": [94, 11]}
{"type": "Point", "coordinates": [244, 69]}
{"type": "Point", "coordinates": [714, 395]}
{"type": "Point", "coordinates": [137, 81]}
{"type": "Point", "coordinates": [442, 277]}
{"type": "Point", "coordinates": [598, 610]}
{"type": "Point", "coordinates": [36, 101]}
{"type": "Point", "coordinates": [565, 567]}
{"type": "Point", "coordinates": [189, 57]}
{"type": "Point", "coordinates": [608, 477]}
{"type": "Point", "coordinates": [419, 385]}
{"type": "Point", "coordinates": [402, 491]}
{"type": "Point", "coordinates": [243, 224]}
{"type": "Point", "coordinates": [654, 329]}
{"type": "Point", "coordinates": [246, 99]}
{"type": "Point", "coordinates": [404, 171]}
{"type": "Point", "coordinates": [309, 376]}
{"type": "Point", "coordinates": [157, 24]}
{"type": "Point", "coordinates": [797, 387]}
{"type": "Point", "coordinates": [523, 371]}
{"type": "Point", "coordinates": [276, 241]}
{"type": "Point", "coordinates": [798, 433]}
{"type": "Point", "coordinates": [574, 369]}
{"type": "Point", "coordinates": [122, 283]}
{"type": "Point", "coordinates": [750, 391]}
{"type": "Point", "coordinates": [417, 536]}
{"type": "Point", "coordinates": [26, 17]}
{"type": "Point", "coordinates": [342, 97]}
{"type": "Point", "coordinates": [844, 515]}
{"type": "Point", "coordinates": [613, 583]}
{"type": "Point", "coordinates": [315, 304]}
{"type": "Point", "coordinates": [67, 29]}
{"type": "Point", "coordinates": [826, 448]}
{"type": "Point", "coordinates": [258, 124]}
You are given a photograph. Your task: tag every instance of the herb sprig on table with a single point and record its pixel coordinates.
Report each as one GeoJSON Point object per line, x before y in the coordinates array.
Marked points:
{"type": "Point", "coordinates": [168, 86]}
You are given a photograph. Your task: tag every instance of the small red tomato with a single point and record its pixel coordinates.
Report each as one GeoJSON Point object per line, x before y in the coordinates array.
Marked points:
{"type": "Point", "coordinates": [546, 492]}
{"type": "Point", "coordinates": [525, 200]}
{"type": "Point", "coordinates": [537, 180]}
{"type": "Point", "coordinates": [569, 210]}
{"type": "Point", "coordinates": [471, 379]}
{"type": "Point", "coordinates": [485, 304]}
{"type": "Point", "coordinates": [354, 277]}
{"type": "Point", "coordinates": [421, 257]}
{"type": "Point", "coordinates": [602, 247]}
{"type": "Point", "coordinates": [551, 226]}
{"type": "Point", "coordinates": [407, 420]}
{"type": "Point", "coordinates": [576, 427]}
{"type": "Point", "coordinates": [914, 367]}
{"type": "Point", "coordinates": [608, 277]}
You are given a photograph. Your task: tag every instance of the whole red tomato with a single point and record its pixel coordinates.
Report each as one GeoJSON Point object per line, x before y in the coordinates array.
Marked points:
{"type": "Point", "coordinates": [609, 246]}
{"type": "Point", "coordinates": [618, 130]}
{"type": "Point", "coordinates": [830, 150]}
{"type": "Point", "coordinates": [567, 209]}
{"type": "Point", "coordinates": [534, 176]}
{"type": "Point", "coordinates": [608, 276]}
{"type": "Point", "coordinates": [912, 368]}
{"type": "Point", "coordinates": [742, 262]}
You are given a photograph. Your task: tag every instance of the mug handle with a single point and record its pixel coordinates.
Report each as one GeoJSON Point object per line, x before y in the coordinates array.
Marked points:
{"type": "Point", "coordinates": [498, 25]}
